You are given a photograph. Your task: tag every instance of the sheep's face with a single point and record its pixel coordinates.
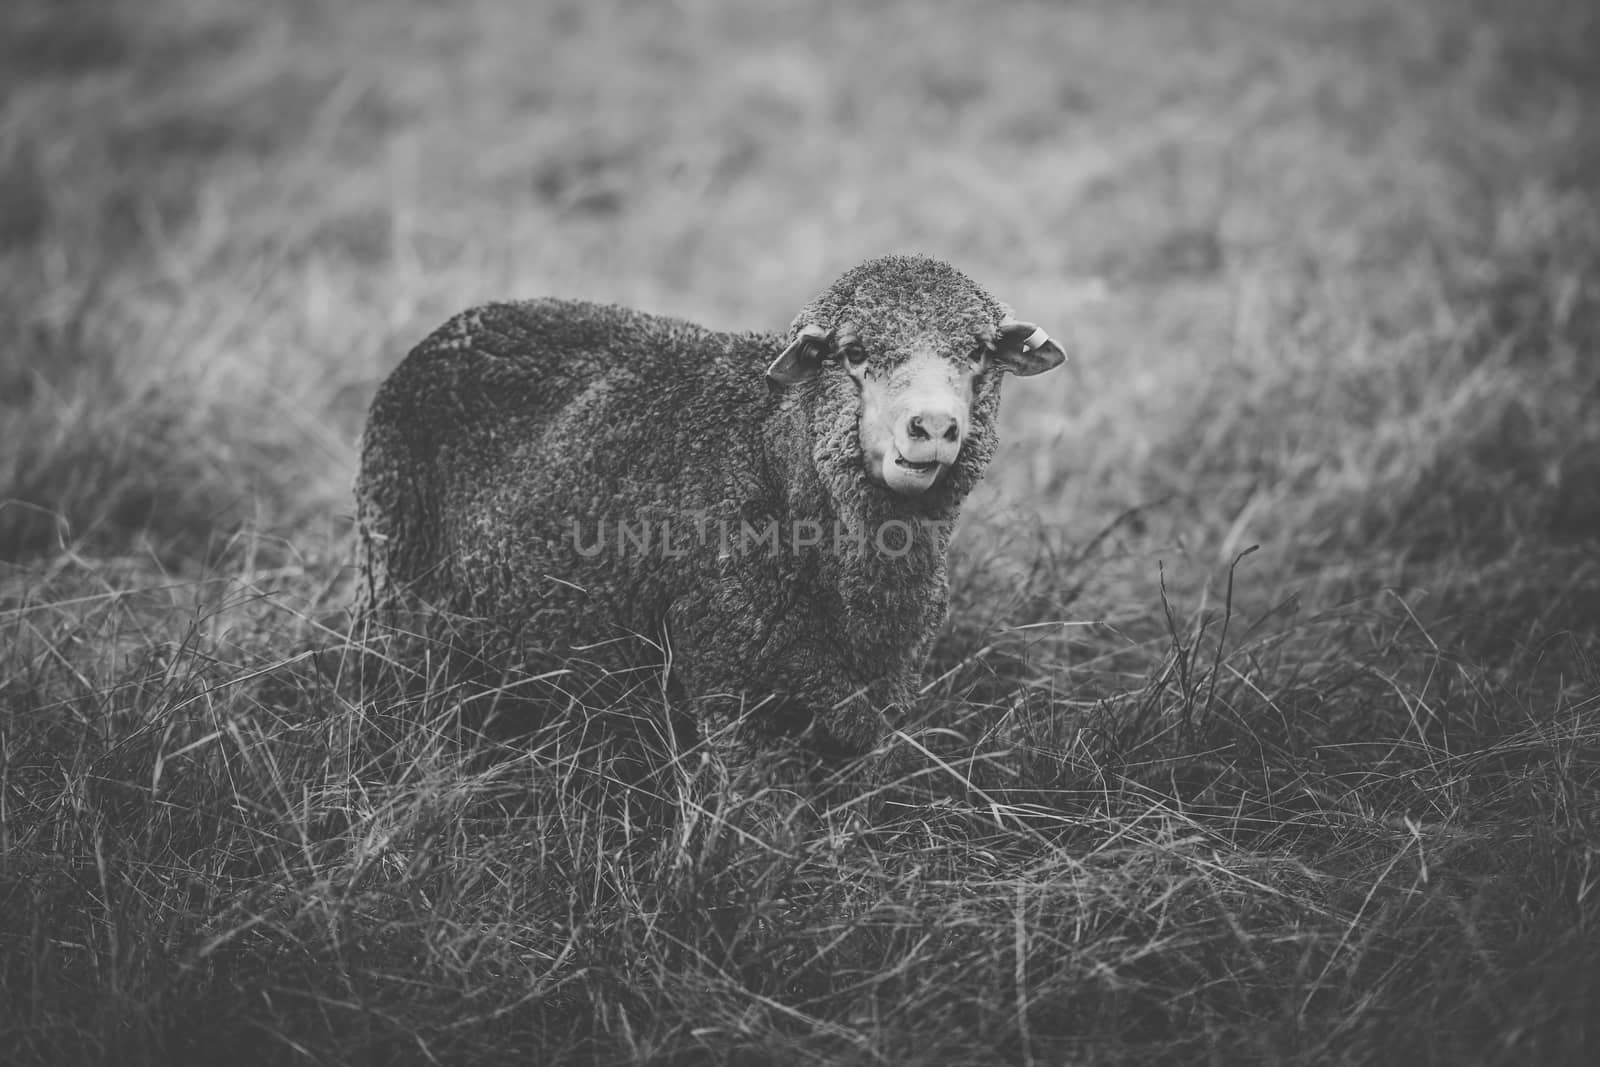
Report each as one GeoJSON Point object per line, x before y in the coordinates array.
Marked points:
{"type": "Point", "coordinates": [917, 343]}
{"type": "Point", "coordinates": [915, 412]}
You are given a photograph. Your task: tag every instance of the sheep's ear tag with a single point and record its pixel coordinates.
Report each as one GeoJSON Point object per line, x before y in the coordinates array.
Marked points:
{"type": "Point", "coordinates": [802, 360]}
{"type": "Point", "coordinates": [1025, 349]}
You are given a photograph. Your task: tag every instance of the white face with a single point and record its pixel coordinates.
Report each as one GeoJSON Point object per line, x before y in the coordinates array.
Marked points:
{"type": "Point", "coordinates": [914, 416]}
{"type": "Point", "coordinates": [915, 386]}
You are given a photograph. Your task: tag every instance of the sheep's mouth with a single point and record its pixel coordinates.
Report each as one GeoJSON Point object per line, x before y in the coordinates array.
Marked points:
{"type": "Point", "coordinates": [930, 467]}
{"type": "Point", "coordinates": [906, 477]}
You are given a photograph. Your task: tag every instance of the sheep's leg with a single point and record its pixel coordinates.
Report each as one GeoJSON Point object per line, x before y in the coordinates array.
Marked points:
{"type": "Point", "coordinates": [756, 785]}
{"type": "Point", "coordinates": [784, 744]}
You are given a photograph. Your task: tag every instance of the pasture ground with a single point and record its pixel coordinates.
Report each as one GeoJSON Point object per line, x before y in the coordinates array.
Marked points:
{"type": "Point", "coordinates": [1330, 271]}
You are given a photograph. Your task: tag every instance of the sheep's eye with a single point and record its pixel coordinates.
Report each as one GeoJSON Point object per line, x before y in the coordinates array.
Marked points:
{"type": "Point", "coordinates": [978, 357]}
{"type": "Point", "coordinates": [856, 355]}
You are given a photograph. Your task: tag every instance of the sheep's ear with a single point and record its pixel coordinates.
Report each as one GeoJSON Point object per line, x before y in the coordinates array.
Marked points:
{"type": "Point", "coordinates": [1024, 349]}
{"type": "Point", "coordinates": [802, 360]}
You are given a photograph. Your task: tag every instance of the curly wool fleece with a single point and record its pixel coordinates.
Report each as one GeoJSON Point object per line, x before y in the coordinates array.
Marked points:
{"type": "Point", "coordinates": [520, 436]}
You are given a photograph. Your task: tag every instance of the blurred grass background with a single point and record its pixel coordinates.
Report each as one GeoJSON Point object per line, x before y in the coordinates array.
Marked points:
{"type": "Point", "coordinates": [1330, 277]}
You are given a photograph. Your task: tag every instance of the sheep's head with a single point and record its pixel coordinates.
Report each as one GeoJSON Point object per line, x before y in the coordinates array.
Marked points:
{"type": "Point", "coordinates": [922, 349]}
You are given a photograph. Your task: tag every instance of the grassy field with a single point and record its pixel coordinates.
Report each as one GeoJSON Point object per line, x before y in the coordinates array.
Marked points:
{"type": "Point", "coordinates": [1332, 275]}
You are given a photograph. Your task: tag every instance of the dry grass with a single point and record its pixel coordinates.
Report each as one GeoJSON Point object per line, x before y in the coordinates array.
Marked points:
{"type": "Point", "coordinates": [1332, 272]}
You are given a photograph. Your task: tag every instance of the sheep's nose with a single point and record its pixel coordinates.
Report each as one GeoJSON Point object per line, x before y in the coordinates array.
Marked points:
{"type": "Point", "coordinates": [932, 426]}
{"type": "Point", "coordinates": [929, 433]}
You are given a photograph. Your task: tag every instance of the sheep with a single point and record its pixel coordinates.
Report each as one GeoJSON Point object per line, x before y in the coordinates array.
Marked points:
{"type": "Point", "coordinates": [767, 515]}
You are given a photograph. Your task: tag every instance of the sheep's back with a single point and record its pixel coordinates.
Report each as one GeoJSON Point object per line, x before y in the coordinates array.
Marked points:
{"type": "Point", "coordinates": [516, 428]}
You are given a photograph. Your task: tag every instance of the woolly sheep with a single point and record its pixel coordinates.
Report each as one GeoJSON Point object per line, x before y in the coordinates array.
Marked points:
{"type": "Point", "coordinates": [572, 474]}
